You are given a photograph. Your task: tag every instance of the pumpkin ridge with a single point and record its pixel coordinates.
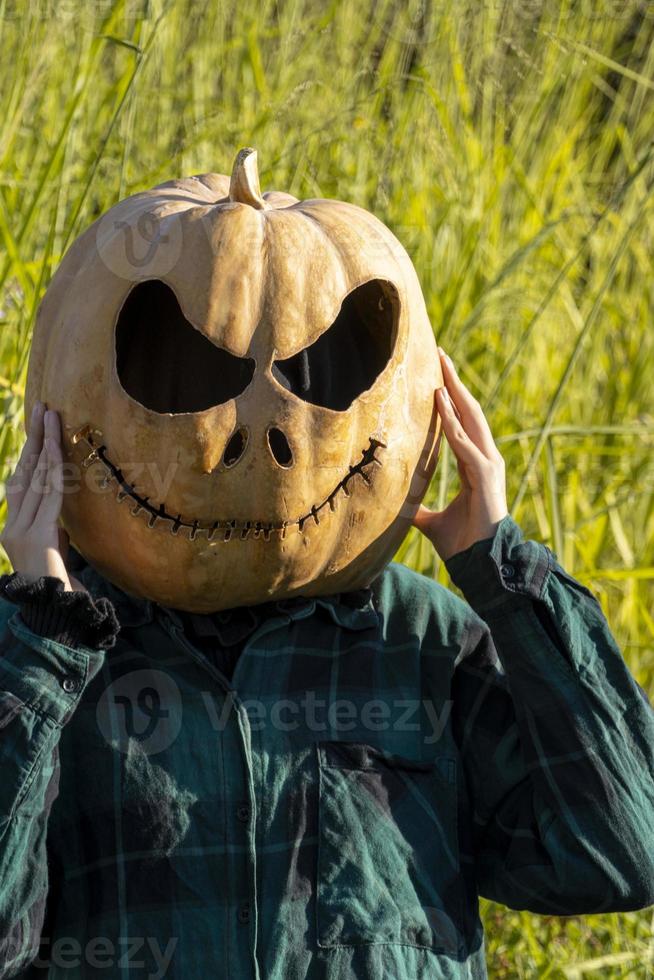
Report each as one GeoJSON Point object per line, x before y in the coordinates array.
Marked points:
{"type": "Point", "coordinates": [259, 529]}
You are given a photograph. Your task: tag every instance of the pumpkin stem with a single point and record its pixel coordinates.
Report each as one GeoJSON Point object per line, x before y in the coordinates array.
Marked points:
{"type": "Point", "coordinates": [244, 183]}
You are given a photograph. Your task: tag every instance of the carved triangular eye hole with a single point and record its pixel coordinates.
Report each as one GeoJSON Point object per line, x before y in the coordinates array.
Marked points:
{"type": "Point", "coordinates": [350, 355]}
{"type": "Point", "coordinates": [165, 363]}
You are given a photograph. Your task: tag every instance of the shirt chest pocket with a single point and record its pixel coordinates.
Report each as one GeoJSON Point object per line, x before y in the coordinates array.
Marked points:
{"type": "Point", "coordinates": [388, 859]}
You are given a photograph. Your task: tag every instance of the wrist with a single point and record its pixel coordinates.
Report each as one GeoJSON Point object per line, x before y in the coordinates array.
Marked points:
{"type": "Point", "coordinates": [32, 573]}
{"type": "Point", "coordinates": [449, 545]}
{"type": "Point", "coordinates": [482, 531]}
{"type": "Point", "coordinates": [48, 562]}
{"type": "Point", "coordinates": [501, 570]}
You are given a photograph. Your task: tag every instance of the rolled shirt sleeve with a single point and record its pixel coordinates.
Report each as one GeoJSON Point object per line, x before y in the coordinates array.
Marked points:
{"type": "Point", "coordinates": [41, 684]}
{"type": "Point", "coordinates": [73, 619]}
{"type": "Point", "coordinates": [557, 738]}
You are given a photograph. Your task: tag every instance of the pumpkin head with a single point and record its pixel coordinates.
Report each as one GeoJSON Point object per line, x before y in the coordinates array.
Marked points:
{"type": "Point", "coordinates": [245, 384]}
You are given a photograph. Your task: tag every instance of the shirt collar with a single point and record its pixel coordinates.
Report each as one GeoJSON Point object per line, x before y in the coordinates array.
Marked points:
{"type": "Point", "coordinates": [352, 610]}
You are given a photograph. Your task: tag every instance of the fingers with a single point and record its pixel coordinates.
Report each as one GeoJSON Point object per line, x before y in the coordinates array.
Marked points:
{"type": "Point", "coordinates": [31, 535]}
{"type": "Point", "coordinates": [41, 497]}
{"type": "Point", "coordinates": [33, 492]}
{"type": "Point", "coordinates": [34, 440]}
{"type": "Point", "coordinates": [48, 512]}
{"type": "Point", "coordinates": [18, 483]}
{"type": "Point", "coordinates": [465, 450]}
{"type": "Point", "coordinates": [470, 412]}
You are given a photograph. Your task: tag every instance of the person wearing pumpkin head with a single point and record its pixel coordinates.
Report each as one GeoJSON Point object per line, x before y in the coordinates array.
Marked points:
{"type": "Point", "coordinates": [236, 737]}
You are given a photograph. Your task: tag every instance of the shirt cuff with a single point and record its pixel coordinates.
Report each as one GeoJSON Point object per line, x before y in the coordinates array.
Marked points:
{"type": "Point", "coordinates": [501, 569]}
{"type": "Point", "coordinates": [73, 619]}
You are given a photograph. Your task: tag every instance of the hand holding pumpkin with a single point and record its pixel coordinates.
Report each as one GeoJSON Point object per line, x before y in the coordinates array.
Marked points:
{"type": "Point", "coordinates": [481, 503]}
{"type": "Point", "coordinates": [34, 542]}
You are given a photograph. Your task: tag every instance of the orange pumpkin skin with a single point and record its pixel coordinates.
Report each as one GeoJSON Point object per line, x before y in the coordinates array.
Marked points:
{"type": "Point", "coordinates": [150, 500]}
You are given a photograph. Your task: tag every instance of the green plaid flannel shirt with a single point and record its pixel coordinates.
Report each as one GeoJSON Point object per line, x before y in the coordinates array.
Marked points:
{"type": "Point", "coordinates": [335, 811]}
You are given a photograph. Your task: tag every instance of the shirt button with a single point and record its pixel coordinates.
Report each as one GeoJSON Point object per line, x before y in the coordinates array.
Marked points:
{"type": "Point", "coordinates": [243, 812]}
{"type": "Point", "coordinates": [244, 913]}
{"type": "Point", "coordinates": [70, 685]}
{"type": "Point", "coordinates": [507, 570]}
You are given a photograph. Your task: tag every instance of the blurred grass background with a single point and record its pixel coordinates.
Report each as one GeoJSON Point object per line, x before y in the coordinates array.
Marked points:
{"type": "Point", "coordinates": [508, 143]}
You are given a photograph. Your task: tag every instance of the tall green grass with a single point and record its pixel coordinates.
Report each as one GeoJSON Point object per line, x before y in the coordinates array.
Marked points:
{"type": "Point", "coordinates": [508, 143]}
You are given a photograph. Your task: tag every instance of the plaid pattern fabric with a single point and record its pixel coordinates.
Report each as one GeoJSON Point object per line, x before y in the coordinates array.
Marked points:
{"type": "Point", "coordinates": [334, 810]}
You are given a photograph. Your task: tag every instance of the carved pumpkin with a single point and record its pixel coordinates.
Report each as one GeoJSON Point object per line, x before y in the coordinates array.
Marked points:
{"type": "Point", "coordinates": [245, 384]}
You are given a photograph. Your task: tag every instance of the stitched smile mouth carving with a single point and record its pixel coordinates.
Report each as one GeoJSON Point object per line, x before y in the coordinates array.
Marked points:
{"type": "Point", "coordinates": [221, 530]}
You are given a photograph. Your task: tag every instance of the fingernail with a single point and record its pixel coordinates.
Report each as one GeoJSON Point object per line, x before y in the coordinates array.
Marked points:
{"type": "Point", "coordinates": [446, 395]}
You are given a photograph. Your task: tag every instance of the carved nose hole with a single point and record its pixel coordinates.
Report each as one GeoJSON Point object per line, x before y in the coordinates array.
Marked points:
{"type": "Point", "coordinates": [235, 447]}
{"type": "Point", "coordinates": [279, 447]}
